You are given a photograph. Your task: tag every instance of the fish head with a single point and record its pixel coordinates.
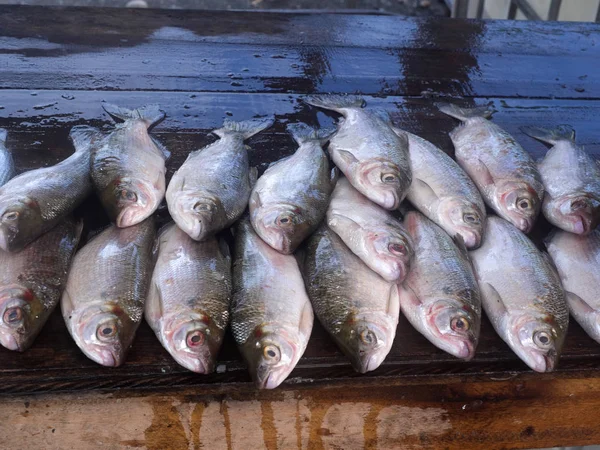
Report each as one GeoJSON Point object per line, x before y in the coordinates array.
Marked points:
{"type": "Point", "coordinates": [199, 214]}
{"type": "Point", "coordinates": [193, 340]}
{"type": "Point", "coordinates": [382, 182]}
{"type": "Point", "coordinates": [20, 221]}
{"type": "Point", "coordinates": [453, 326]}
{"type": "Point", "coordinates": [271, 353]}
{"type": "Point", "coordinates": [579, 214]}
{"type": "Point", "coordinates": [537, 341]}
{"type": "Point", "coordinates": [519, 204]}
{"type": "Point", "coordinates": [461, 217]}
{"type": "Point", "coordinates": [390, 251]}
{"type": "Point", "coordinates": [101, 333]}
{"type": "Point", "coordinates": [128, 201]}
{"type": "Point", "coordinates": [20, 309]}
{"type": "Point", "coordinates": [366, 339]}
{"type": "Point", "coordinates": [282, 226]}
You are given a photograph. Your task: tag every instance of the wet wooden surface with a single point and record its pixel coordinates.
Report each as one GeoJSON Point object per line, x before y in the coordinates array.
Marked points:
{"type": "Point", "coordinates": [57, 66]}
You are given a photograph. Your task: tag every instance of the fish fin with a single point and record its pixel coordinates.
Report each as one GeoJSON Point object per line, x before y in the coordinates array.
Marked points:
{"type": "Point", "coordinates": [304, 133]}
{"type": "Point", "coordinates": [224, 248]}
{"type": "Point", "coordinates": [548, 239]}
{"type": "Point", "coordinates": [551, 135]}
{"type": "Point", "coordinates": [546, 256]}
{"type": "Point", "coordinates": [493, 305]}
{"type": "Point", "coordinates": [3, 134]}
{"type": "Point", "coordinates": [253, 176]}
{"type": "Point", "coordinates": [307, 318]}
{"type": "Point", "coordinates": [425, 193]}
{"type": "Point", "coordinates": [577, 304]}
{"type": "Point", "coordinates": [393, 305]}
{"type": "Point", "coordinates": [66, 305]}
{"type": "Point", "coordinates": [334, 175]}
{"type": "Point", "coordinates": [83, 137]}
{"type": "Point", "coordinates": [150, 114]}
{"type": "Point", "coordinates": [166, 153]}
{"type": "Point", "coordinates": [463, 114]}
{"type": "Point", "coordinates": [461, 246]}
{"type": "Point", "coordinates": [153, 309]}
{"type": "Point", "coordinates": [347, 157]}
{"type": "Point", "coordinates": [247, 128]}
{"type": "Point", "coordinates": [336, 103]}
{"type": "Point", "coordinates": [403, 138]}
{"type": "Point", "coordinates": [408, 297]}
{"type": "Point", "coordinates": [255, 198]}
{"type": "Point", "coordinates": [338, 220]}
{"type": "Point", "coordinates": [487, 175]}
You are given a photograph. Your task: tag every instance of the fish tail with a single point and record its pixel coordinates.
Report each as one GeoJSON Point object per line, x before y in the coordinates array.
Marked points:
{"type": "Point", "coordinates": [304, 133]}
{"type": "Point", "coordinates": [551, 135]}
{"type": "Point", "coordinates": [150, 114]}
{"type": "Point", "coordinates": [3, 134]}
{"type": "Point", "coordinates": [82, 137]}
{"type": "Point", "coordinates": [463, 114]}
{"type": "Point", "coordinates": [336, 103]}
{"type": "Point", "coordinates": [247, 128]}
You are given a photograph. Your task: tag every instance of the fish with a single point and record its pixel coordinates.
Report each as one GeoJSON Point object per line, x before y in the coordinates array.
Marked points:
{"type": "Point", "coordinates": [34, 202]}
{"type": "Point", "coordinates": [357, 307]}
{"type": "Point", "coordinates": [103, 301]}
{"type": "Point", "coordinates": [271, 315]}
{"type": "Point", "coordinates": [210, 191]}
{"type": "Point", "coordinates": [521, 294]}
{"type": "Point", "coordinates": [370, 232]}
{"type": "Point", "coordinates": [290, 199]}
{"type": "Point", "coordinates": [577, 260]}
{"type": "Point", "coordinates": [503, 171]}
{"type": "Point", "coordinates": [32, 282]}
{"type": "Point", "coordinates": [571, 180]}
{"type": "Point", "coordinates": [189, 296]}
{"type": "Point", "coordinates": [369, 153]}
{"type": "Point", "coordinates": [440, 296]}
{"type": "Point", "coordinates": [128, 165]}
{"type": "Point", "coordinates": [7, 165]}
{"type": "Point", "coordinates": [444, 193]}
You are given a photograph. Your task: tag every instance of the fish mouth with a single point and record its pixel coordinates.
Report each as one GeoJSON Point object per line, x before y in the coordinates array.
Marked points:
{"type": "Point", "coordinates": [471, 238]}
{"type": "Point", "coordinates": [199, 215]}
{"type": "Point", "coordinates": [369, 362]}
{"type": "Point", "coordinates": [542, 362]}
{"type": "Point", "coordinates": [271, 381]}
{"type": "Point", "coordinates": [463, 349]}
{"type": "Point", "coordinates": [103, 356]}
{"type": "Point", "coordinates": [193, 364]}
{"type": "Point", "coordinates": [131, 213]}
{"type": "Point", "coordinates": [4, 239]}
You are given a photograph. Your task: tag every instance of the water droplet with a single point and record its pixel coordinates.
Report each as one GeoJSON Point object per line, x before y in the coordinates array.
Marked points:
{"type": "Point", "coordinates": [256, 55]}
{"type": "Point", "coordinates": [68, 97]}
{"type": "Point", "coordinates": [146, 61]}
{"type": "Point", "coordinates": [245, 69]}
{"type": "Point", "coordinates": [186, 106]}
{"type": "Point", "coordinates": [193, 96]}
{"type": "Point", "coordinates": [235, 83]}
{"type": "Point", "coordinates": [228, 113]}
{"type": "Point", "coordinates": [33, 94]}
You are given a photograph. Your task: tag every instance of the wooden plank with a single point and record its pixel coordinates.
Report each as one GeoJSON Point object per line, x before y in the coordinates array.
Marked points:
{"type": "Point", "coordinates": [524, 412]}
{"type": "Point", "coordinates": [336, 53]}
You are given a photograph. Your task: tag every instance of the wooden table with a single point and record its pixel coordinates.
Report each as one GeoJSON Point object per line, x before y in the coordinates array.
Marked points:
{"type": "Point", "coordinates": [58, 65]}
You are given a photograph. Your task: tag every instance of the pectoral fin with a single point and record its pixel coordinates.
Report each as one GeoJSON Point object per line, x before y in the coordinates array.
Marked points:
{"type": "Point", "coordinates": [492, 302]}
{"type": "Point", "coordinates": [346, 157]}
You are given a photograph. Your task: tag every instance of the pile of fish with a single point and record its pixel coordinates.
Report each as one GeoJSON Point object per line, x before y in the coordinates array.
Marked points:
{"type": "Point", "coordinates": [313, 241]}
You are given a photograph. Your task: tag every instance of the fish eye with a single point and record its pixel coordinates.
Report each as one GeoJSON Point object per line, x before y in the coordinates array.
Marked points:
{"type": "Point", "coordinates": [368, 337]}
{"type": "Point", "coordinates": [471, 218]}
{"type": "Point", "coordinates": [201, 207]}
{"type": "Point", "coordinates": [524, 203]}
{"type": "Point", "coordinates": [460, 324]}
{"type": "Point", "coordinates": [13, 315]}
{"type": "Point", "coordinates": [389, 178]}
{"type": "Point", "coordinates": [272, 353]}
{"type": "Point", "coordinates": [397, 249]}
{"type": "Point", "coordinates": [128, 195]}
{"type": "Point", "coordinates": [12, 215]}
{"type": "Point", "coordinates": [285, 220]}
{"type": "Point", "coordinates": [106, 331]}
{"type": "Point", "coordinates": [542, 339]}
{"type": "Point", "coordinates": [195, 338]}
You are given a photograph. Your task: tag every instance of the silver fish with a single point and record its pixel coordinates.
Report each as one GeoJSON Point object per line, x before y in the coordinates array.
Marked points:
{"type": "Point", "coordinates": [572, 181]}
{"type": "Point", "coordinates": [365, 148]}
{"type": "Point", "coordinates": [103, 302]}
{"type": "Point", "coordinates": [440, 296]}
{"type": "Point", "coordinates": [7, 165]}
{"type": "Point", "coordinates": [521, 295]}
{"type": "Point", "coordinates": [371, 232]}
{"type": "Point", "coordinates": [577, 259]}
{"type": "Point", "coordinates": [290, 199]}
{"type": "Point", "coordinates": [32, 281]}
{"type": "Point", "coordinates": [444, 192]}
{"type": "Point", "coordinates": [210, 190]}
{"type": "Point", "coordinates": [188, 302]}
{"type": "Point", "coordinates": [271, 315]}
{"type": "Point", "coordinates": [357, 307]}
{"type": "Point", "coordinates": [36, 201]}
{"type": "Point", "coordinates": [128, 165]}
{"type": "Point", "coordinates": [505, 174]}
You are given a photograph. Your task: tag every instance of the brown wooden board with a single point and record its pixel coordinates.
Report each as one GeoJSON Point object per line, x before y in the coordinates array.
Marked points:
{"type": "Point", "coordinates": [57, 66]}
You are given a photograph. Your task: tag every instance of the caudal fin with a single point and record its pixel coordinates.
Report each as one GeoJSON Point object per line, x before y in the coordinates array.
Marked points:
{"type": "Point", "coordinates": [336, 103]}
{"type": "Point", "coordinates": [3, 134]}
{"type": "Point", "coordinates": [304, 133]}
{"type": "Point", "coordinates": [247, 128]}
{"type": "Point", "coordinates": [551, 135]}
{"type": "Point", "coordinates": [463, 114]}
{"type": "Point", "coordinates": [83, 137]}
{"type": "Point", "coordinates": [150, 114]}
